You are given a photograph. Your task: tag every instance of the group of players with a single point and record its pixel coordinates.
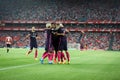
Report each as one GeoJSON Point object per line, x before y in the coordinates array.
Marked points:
{"type": "Point", "coordinates": [55, 44]}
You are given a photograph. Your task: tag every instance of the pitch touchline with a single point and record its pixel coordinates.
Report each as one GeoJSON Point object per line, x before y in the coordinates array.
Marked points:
{"type": "Point", "coordinates": [12, 67]}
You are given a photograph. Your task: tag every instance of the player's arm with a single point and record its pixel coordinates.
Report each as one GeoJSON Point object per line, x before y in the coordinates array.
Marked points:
{"type": "Point", "coordinates": [60, 34]}
{"type": "Point", "coordinates": [11, 40]}
{"type": "Point", "coordinates": [26, 37]}
{"type": "Point", "coordinates": [82, 32]}
{"type": "Point", "coordinates": [38, 37]}
{"type": "Point", "coordinates": [67, 31]}
{"type": "Point", "coordinates": [46, 28]}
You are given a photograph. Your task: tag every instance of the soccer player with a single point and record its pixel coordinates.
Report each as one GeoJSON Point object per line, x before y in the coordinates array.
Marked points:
{"type": "Point", "coordinates": [81, 38]}
{"type": "Point", "coordinates": [63, 43]}
{"type": "Point", "coordinates": [8, 42]}
{"type": "Point", "coordinates": [33, 42]}
{"type": "Point", "coordinates": [55, 40]}
{"type": "Point", "coordinates": [48, 45]}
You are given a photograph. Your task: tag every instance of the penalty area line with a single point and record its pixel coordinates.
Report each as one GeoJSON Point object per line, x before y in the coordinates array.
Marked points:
{"type": "Point", "coordinates": [20, 66]}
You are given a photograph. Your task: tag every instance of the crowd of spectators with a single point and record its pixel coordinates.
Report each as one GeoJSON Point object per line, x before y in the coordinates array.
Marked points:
{"type": "Point", "coordinates": [76, 10]}
{"type": "Point", "coordinates": [19, 38]}
{"type": "Point", "coordinates": [93, 40]}
{"type": "Point", "coordinates": [96, 40]}
{"type": "Point", "coordinates": [93, 26]}
{"type": "Point", "coordinates": [116, 42]}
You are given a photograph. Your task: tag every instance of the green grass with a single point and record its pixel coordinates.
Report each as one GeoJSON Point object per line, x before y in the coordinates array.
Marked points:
{"type": "Point", "coordinates": [85, 65]}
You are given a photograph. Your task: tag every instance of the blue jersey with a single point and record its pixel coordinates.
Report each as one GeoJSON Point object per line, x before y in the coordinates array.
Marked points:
{"type": "Point", "coordinates": [62, 30]}
{"type": "Point", "coordinates": [33, 41]}
{"type": "Point", "coordinates": [55, 39]}
{"type": "Point", "coordinates": [48, 35]}
{"type": "Point", "coordinates": [62, 39]}
{"type": "Point", "coordinates": [48, 43]}
{"type": "Point", "coordinates": [33, 36]}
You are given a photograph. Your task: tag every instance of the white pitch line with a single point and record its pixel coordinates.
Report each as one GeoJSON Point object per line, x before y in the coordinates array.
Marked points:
{"type": "Point", "coordinates": [12, 67]}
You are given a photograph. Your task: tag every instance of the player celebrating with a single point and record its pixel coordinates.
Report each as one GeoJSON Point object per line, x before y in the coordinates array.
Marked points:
{"type": "Point", "coordinates": [8, 41]}
{"type": "Point", "coordinates": [63, 43]}
{"type": "Point", "coordinates": [55, 41]}
{"type": "Point", "coordinates": [33, 42]}
{"type": "Point", "coordinates": [48, 45]}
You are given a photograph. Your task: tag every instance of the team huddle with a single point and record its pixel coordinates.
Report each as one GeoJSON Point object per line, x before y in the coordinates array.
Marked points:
{"type": "Point", "coordinates": [56, 43]}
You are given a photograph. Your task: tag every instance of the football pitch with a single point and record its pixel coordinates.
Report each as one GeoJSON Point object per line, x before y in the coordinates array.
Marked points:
{"type": "Point", "coordinates": [84, 65]}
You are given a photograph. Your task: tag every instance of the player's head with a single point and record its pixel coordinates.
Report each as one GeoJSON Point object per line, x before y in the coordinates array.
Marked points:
{"type": "Point", "coordinates": [61, 25]}
{"type": "Point", "coordinates": [33, 29]}
{"type": "Point", "coordinates": [48, 25]}
{"type": "Point", "coordinates": [53, 25]}
{"type": "Point", "coordinates": [57, 25]}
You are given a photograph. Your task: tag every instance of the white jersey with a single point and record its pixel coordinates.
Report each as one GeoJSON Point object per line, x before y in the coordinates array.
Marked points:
{"type": "Point", "coordinates": [8, 40]}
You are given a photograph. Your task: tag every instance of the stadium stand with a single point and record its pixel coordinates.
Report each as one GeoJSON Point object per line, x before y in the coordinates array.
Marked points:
{"type": "Point", "coordinates": [99, 20]}
{"type": "Point", "coordinates": [80, 10]}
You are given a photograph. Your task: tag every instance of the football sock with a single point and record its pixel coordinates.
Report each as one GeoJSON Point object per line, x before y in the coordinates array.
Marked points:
{"type": "Point", "coordinates": [44, 55]}
{"type": "Point", "coordinates": [68, 56]}
{"type": "Point", "coordinates": [55, 56]}
{"type": "Point", "coordinates": [62, 54]}
{"type": "Point", "coordinates": [50, 56]}
{"type": "Point", "coordinates": [59, 56]}
{"type": "Point", "coordinates": [36, 53]}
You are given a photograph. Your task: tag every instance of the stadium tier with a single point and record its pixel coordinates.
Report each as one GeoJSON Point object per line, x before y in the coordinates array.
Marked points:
{"type": "Point", "coordinates": [46, 10]}
{"type": "Point", "coordinates": [94, 23]}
